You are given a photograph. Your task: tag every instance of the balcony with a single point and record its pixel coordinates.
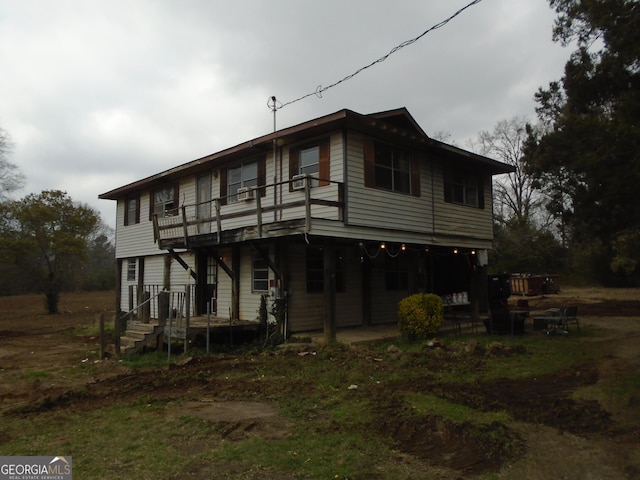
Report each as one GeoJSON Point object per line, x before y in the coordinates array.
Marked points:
{"type": "Point", "coordinates": [277, 209]}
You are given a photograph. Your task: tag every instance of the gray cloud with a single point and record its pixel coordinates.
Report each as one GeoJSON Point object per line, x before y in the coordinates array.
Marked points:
{"type": "Point", "coordinates": [99, 93]}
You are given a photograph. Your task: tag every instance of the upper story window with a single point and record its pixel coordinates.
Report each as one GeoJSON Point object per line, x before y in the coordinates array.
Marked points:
{"type": "Point", "coordinates": [392, 169]}
{"type": "Point", "coordinates": [248, 174]}
{"type": "Point", "coordinates": [132, 210]}
{"type": "Point", "coordinates": [388, 167]}
{"type": "Point", "coordinates": [241, 176]}
{"type": "Point", "coordinates": [464, 189]}
{"type": "Point", "coordinates": [164, 201]}
{"type": "Point", "coordinates": [311, 159]}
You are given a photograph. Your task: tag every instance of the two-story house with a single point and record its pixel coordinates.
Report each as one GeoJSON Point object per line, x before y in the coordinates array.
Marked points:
{"type": "Point", "coordinates": [345, 214]}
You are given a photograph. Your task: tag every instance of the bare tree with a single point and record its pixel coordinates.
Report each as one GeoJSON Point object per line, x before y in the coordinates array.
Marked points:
{"type": "Point", "coordinates": [11, 178]}
{"type": "Point", "coordinates": [514, 194]}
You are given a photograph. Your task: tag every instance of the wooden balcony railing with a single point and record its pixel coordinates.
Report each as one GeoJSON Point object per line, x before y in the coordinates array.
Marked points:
{"type": "Point", "coordinates": [284, 204]}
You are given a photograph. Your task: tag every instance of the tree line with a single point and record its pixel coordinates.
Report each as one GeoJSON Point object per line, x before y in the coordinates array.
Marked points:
{"type": "Point", "coordinates": [571, 205]}
{"type": "Point", "coordinates": [48, 242]}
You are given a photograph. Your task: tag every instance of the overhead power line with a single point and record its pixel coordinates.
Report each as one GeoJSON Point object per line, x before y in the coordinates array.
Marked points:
{"type": "Point", "coordinates": [275, 105]}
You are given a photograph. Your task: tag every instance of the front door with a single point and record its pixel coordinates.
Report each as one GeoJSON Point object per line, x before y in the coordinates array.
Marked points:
{"type": "Point", "coordinates": [207, 284]}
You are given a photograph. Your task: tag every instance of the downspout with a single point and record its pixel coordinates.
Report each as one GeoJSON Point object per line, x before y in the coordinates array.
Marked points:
{"type": "Point", "coordinates": [345, 177]}
{"type": "Point", "coordinates": [433, 202]}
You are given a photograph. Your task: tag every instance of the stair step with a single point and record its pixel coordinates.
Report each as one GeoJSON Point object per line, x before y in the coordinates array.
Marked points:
{"type": "Point", "coordinates": [141, 327]}
{"type": "Point", "coordinates": [136, 335]}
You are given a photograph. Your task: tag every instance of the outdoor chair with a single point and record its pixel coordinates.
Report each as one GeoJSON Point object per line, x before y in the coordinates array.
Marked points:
{"type": "Point", "coordinates": [559, 324]}
{"type": "Point", "coordinates": [570, 315]}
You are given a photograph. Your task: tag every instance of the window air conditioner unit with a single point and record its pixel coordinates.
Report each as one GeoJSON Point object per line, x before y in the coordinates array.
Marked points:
{"type": "Point", "coordinates": [246, 193]}
{"type": "Point", "coordinates": [299, 181]}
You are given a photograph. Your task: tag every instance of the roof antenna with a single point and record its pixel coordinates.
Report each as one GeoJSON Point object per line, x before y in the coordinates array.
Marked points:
{"type": "Point", "coordinates": [273, 105]}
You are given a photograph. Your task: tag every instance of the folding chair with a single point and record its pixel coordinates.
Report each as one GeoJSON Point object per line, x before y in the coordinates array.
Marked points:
{"type": "Point", "coordinates": [569, 315]}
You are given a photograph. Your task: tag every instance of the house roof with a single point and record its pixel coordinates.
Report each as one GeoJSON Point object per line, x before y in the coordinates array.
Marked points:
{"type": "Point", "coordinates": [394, 125]}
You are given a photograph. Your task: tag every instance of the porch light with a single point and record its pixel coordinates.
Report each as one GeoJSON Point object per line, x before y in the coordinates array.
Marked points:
{"type": "Point", "coordinates": [383, 246]}
{"type": "Point", "coordinates": [455, 251]}
{"type": "Point", "coordinates": [404, 247]}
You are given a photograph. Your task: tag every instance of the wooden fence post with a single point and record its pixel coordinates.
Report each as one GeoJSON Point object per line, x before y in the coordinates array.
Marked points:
{"type": "Point", "coordinates": [163, 315]}
{"type": "Point", "coordinates": [116, 329]}
{"type": "Point", "coordinates": [100, 319]}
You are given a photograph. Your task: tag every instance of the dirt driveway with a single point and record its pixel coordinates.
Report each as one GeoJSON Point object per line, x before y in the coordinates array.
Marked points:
{"type": "Point", "coordinates": [563, 431]}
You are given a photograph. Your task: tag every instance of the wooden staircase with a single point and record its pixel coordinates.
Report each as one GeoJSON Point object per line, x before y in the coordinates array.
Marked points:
{"type": "Point", "coordinates": [138, 336]}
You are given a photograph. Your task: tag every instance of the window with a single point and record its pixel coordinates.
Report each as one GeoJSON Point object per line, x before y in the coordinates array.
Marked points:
{"type": "Point", "coordinates": [260, 274]}
{"type": "Point", "coordinates": [311, 159]}
{"type": "Point", "coordinates": [241, 176]}
{"type": "Point", "coordinates": [131, 270]}
{"type": "Point", "coordinates": [396, 274]}
{"type": "Point", "coordinates": [132, 210]}
{"type": "Point", "coordinates": [164, 201]}
{"type": "Point", "coordinates": [248, 174]}
{"type": "Point", "coordinates": [388, 167]}
{"type": "Point", "coordinates": [212, 271]}
{"type": "Point", "coordinates": [464, 189]}
{"type": "Point", "coordinates": [315, 270]}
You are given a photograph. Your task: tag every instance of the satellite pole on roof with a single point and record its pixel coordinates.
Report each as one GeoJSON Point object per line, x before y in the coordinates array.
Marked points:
{"type": "Point", "coordinates": [273, 105]}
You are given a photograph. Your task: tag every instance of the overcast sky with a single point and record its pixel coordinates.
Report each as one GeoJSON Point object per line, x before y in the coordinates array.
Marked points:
{"type": "Point", "coordinates": [97, 94]}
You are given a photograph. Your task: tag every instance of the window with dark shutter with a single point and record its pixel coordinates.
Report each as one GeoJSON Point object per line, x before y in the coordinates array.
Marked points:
{"type": "Point", "coordinates": [132, 210]}
{"type": "Point", "coordinates": [387, 167]}
{"type": "Point", "coordinates": [463, 188]}
{"type": "Point", "coordinates": [311, 159]}
{"type": "Point", "coordinates": [249, 174]}
{"type": "Point", "coordinates": [164, 201]}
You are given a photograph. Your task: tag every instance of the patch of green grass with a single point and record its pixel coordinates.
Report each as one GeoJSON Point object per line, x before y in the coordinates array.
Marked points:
{"type": "Point", "coordinates": [35, 374]}
{"type": "Point", "coordinates": [313, 455]}
{"type": "Point", "coordinates": [124, 441]}
{"type": "Point", "coordinates": [431, 404]}
{"type": "Point", "coordinates": [150, 360]}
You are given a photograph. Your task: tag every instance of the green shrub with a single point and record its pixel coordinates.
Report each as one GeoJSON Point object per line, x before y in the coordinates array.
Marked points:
{"type": "Point", "coordinates": [420, 315]}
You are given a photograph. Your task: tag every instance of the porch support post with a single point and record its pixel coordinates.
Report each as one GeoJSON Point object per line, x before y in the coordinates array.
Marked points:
{"type": "Point", "coordinates": [329, 290]}
{"type": "Point", "coordinates": [366, 289]}
{"type": "Point", "coordinates": [235, 282]}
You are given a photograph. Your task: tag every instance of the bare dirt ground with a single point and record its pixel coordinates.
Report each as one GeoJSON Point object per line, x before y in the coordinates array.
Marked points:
{"type": "Point", "coordinates": [561, 428]}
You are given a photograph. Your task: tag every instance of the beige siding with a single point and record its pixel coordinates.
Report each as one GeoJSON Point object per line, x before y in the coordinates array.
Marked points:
{"type": "Point", "coordinates": [249, 300]}
{"type": "Point", "coordinates": [137, 240]}
{"type": "Point", "coordinates": [384, 303]}
{"type": "Point", "coordinates": [224, 286]}
{"type": "Point", "coordinates": [153, 275]}
{"type": "Point", "coordinates": [376, 208]}
{"type": "Point", "coordinates": [179, 277]}
{"type": "Point", "coordinates": [397, 215]}
{"type": "Point", "coordinates": [307, 310]}
{"type": "Point", "coordinates": [349, 303]}
{"type": "Point", "coordinates": [460, 220]}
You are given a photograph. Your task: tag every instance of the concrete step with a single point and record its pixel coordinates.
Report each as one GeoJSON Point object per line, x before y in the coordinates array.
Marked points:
{"type": "Point", "coordinates": [141, 327]}
{"type": "Point", "coordinates": [136, 335]}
